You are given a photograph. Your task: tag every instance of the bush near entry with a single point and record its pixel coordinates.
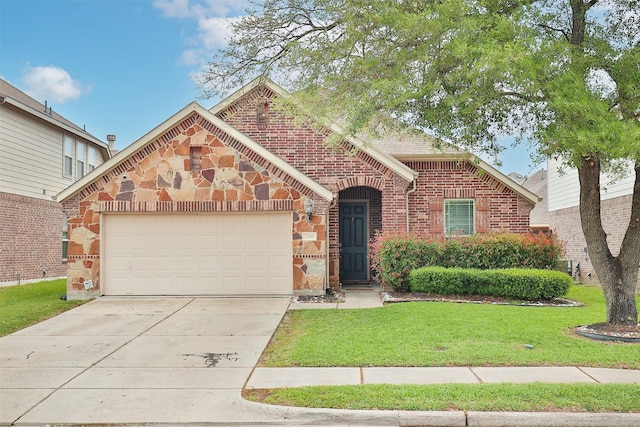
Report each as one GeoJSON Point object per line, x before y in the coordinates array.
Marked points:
{"type": "Point", "coordinates": [395, 255]}
{"type": "Point", "coordinates": [517, 283]}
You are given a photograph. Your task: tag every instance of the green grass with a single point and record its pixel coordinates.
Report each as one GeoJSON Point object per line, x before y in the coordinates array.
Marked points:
{"type": "Point", "coordinates": [26, 305]}
{"type": "Point", "coordinates": [449, 334]}
{"type": "Point", "coordinates": [535, 397]}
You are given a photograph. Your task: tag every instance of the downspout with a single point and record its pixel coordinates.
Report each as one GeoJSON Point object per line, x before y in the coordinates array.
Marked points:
{"type": "Point", "coordinates": [333, 204]}
{"type": "Point", "coordinates": [415, 187]}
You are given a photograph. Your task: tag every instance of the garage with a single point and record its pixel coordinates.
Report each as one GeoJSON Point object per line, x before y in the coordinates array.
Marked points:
{"type": "Point", "coordinates": [213, 254]}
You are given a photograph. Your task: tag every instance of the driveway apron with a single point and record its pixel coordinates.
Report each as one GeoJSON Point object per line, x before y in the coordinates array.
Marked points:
{"type": "Point", "coordinates": [137, 360]}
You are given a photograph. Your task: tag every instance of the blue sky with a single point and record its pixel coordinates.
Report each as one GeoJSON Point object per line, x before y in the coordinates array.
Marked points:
{"type": "Point", "coordinates": [123, 66]}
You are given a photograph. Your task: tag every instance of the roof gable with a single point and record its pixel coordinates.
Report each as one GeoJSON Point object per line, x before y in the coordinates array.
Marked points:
{"type": "Point", "coordinates": [172, 127]}
{"type": "Point", "coordinates": [372, 151]}
{"type": "Point", "coordinates": [477, 164]}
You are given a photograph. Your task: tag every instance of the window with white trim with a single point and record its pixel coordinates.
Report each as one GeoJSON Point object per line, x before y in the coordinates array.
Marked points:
{"type": "Point", "coordinates": [69, 155]}
{"type": "Point", "coordinates": [81, 159]}
{"type": "Point", "coordinates": [459, 217]}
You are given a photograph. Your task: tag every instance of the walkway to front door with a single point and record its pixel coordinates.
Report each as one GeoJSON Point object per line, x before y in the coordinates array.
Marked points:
{"type": "Point", "coordinates": [353, 242]}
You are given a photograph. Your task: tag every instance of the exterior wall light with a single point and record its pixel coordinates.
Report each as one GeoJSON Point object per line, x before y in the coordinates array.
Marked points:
{"type": "Point", "coordinates": [308, 209]}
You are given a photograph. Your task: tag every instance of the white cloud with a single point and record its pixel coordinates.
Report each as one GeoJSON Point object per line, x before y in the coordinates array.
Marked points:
{"type": "Point", "coordinates": [190, 57]}
{"type": "Point", "coordinates": [215, 31]}
{"type": "Point", "coordinates": [53, 84]}
{"type": "Point", "coordinates": [200, 9]}
{"type": "Point", "coordinates": [213, 18]}
{"type": "Point", "coordinates": [601, 83]}
{"type": "Point", "coordinates": [174, 8]}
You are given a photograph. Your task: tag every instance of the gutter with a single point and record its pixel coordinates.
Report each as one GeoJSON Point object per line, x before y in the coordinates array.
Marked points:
{"type": "Point", "coordinates": [83, 134]}
{"type": "Point", "coordinates": [415, 187]}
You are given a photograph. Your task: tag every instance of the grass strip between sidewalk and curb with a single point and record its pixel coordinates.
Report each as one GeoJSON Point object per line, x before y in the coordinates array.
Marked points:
{"type": "Point", "coordinates": [26, 305]}
{"type": "Point", "coordinates": [536, 397]}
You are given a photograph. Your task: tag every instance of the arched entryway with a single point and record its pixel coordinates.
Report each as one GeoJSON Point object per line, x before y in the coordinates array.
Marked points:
{"type": "Point", "coordinates": [359, 218]}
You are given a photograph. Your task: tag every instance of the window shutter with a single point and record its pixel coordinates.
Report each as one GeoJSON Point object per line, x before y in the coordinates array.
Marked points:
{"type": "Point", "coordinates": [436, 216]}
{"type": "Point", "coordinates": [482, 215]}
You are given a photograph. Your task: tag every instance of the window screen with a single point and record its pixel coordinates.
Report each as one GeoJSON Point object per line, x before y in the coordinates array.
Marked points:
{"type": "Point", "coordinates": [458, 217]}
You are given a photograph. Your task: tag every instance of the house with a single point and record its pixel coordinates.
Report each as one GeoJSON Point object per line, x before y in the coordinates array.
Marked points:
{"type": "Point", "coordinates": [41, 153]}
{"type": "Point", "coordinates": [563, 216]}
{"type": "Point", "coordinates": [242, 199]}
{"type": "Point", "coordinates": [537, 184]}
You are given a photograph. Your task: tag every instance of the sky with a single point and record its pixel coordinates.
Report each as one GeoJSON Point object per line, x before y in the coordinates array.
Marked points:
{"type": "Point", "coordinates": [125, 66]}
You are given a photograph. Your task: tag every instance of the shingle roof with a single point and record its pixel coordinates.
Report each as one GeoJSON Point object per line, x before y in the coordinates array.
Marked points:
{"type": "Point", "coordinates": [408, 144]}
{"type": "Point", "coordinates": [9, 91]}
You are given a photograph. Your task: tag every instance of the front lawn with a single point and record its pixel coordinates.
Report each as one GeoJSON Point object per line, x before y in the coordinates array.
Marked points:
{"type": "Point", "coordinates": [26, 305]}
{"type": "Point", "coordinates": [449, 334]}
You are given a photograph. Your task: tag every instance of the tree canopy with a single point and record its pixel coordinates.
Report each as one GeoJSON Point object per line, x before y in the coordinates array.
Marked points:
{"type": "Point", "coordinates": [565, 73]}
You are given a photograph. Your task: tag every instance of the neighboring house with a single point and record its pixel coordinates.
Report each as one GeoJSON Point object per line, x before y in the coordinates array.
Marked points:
{"type": "Point", "coordinates": [537, 184]}
{"type": "Point", "coordinates": [243, 200]}
{"type": "Point", "coordinates": [41, 153]}
{"type": "Point", "coordinates": [563, 195]}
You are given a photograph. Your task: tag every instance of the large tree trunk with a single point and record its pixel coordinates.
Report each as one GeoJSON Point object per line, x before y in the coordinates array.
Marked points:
{"type": "Point", "coordinates": [617, 275]}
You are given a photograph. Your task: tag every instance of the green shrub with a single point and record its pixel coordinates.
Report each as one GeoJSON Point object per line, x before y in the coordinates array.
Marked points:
{"type": "Point", "coordinates": [394, 255]}
{"type": "Point", "coordinates": [517, 283]}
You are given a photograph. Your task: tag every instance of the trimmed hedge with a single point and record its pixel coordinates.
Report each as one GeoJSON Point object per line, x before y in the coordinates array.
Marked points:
{"type": "Point", "coordinates": [394, 255]}
{"type": "Point", "coordinates": [517, 283]}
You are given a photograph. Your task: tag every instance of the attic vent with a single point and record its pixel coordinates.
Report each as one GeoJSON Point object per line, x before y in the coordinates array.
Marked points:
{"type": "Point", "coordinates": [262, 116]}
{"type": "Point", "coordinates": [195, 158]}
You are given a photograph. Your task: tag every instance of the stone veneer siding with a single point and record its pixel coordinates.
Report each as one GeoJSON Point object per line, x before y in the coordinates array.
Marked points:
{"type": "Point", "coordinates": [158, 178]}
{"type": "Point", "coordinates": [616, 213]}
{"type": "Point", "coordinates": [30, 239]}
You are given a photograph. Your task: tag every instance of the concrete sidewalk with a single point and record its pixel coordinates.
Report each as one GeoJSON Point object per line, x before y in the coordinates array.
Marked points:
{"type": "Point", "coordinates": [368, 296]}
{"type": "Point", "coordinates": [301, 377]}
{"type": "Point", "coordinates": [180, 361]}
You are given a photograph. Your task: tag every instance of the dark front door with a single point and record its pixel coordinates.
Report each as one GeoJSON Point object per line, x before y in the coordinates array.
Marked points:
{"type": "Point", "coordinates": [353, 242]}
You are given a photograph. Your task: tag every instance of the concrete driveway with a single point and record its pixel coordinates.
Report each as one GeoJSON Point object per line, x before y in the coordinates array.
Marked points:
{"type": "Point", "coordinates": [176, 361]}
{"type": "Point", "coordinates": [137, 360]}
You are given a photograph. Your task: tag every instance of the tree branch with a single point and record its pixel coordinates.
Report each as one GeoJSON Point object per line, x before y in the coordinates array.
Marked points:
{"type": "Point", "coordinates": [549, 27]}
{"type": "Point", "coordinates": [522, 96]}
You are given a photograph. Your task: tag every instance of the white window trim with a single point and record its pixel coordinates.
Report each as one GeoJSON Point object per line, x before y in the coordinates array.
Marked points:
{"type": "Point", "coordinates": [88, 163]}
{"type": "Point", "coordinates": [71, 155]}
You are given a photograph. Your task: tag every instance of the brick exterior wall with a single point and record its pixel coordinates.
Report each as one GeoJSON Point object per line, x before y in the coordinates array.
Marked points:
{"type": "Point", "coordinates": [336, 168]}
{"type": "Point", "coordinates": [497, 207]}
{"type": "Point", "coordinates": [616, 213]}
{"type": "Point", "coordinates": [233, 178]}
{"type": "Point", "coordinates": [30, 239]}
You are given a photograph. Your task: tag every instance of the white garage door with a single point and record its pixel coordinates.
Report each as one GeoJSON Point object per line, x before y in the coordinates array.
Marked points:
{"type": "Point", "coordinates": [197, 254]}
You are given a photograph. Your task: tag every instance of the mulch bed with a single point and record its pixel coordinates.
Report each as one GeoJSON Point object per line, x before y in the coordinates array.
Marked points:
{"type": "Point", "coordinates": [393, 297]}
{"type": "Point", "coordinates": [330, 297]}
{"type": "Point", "coordinates": [608, 332]}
